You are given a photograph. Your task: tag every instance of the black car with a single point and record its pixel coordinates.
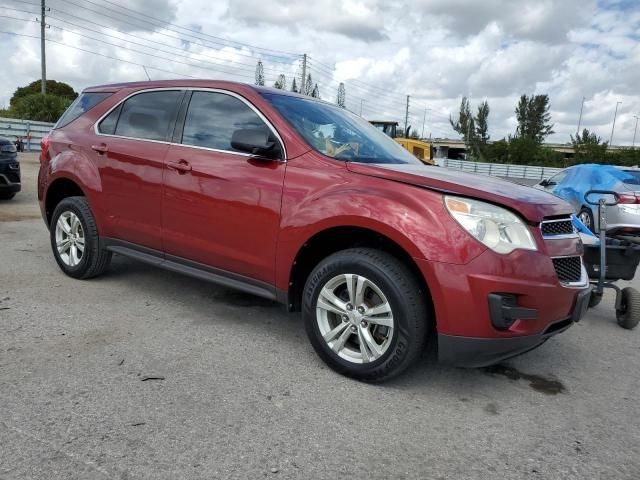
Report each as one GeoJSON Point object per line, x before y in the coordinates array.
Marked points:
{"type": "Point", "coordinates": [9, 170]}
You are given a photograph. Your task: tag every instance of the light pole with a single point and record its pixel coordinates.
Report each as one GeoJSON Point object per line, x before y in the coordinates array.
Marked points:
{"type": "Point", "coordinates": [580, 119]}
{"type": "Point", "coordinates": [633, 145]}
{"type": "Point", "coordinates": [424, 119]}
{"type": "Point", "coordinates": [614, 124]}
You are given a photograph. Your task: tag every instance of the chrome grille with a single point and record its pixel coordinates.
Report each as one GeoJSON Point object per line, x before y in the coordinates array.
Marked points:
{"type": "Point", "coordinates": [562, 226]}
{"type": "Point", "coordinates": [568, 269]}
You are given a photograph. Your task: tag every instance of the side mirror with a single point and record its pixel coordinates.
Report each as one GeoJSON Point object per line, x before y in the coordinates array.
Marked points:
{"type": "Point", "coordinates": [256, 141]}
{"type": "Point", "coordinates": [544, 183]}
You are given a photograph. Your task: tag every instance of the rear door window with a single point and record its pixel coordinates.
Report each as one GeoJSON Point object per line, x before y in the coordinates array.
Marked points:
{"type": "Point", "coordinates": [213, 117]}
{"type": "Point", "coordinates": [147, 116]}
{"type": "Point", "coordinates": [82, 104]}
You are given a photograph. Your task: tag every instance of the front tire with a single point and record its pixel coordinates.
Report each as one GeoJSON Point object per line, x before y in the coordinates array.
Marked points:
{"type": "Point", "coordinates": [586, 217]}
{"type": "Point", "coordinates": [7, 195]}
{"type": "Point", "coordinates": [365, 313]}
{"type": "Point", "coordinates": [74, 239]}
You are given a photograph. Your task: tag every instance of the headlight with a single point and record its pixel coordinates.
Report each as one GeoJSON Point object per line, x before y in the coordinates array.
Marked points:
{"type": "Point", "coordinates": [8, 148]}
{"type": "Point", "coordinates": [496, 227]}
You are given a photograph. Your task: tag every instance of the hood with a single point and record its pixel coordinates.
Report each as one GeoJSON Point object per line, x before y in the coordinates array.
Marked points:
{"type": "Point", "coordinates": [531, 203]}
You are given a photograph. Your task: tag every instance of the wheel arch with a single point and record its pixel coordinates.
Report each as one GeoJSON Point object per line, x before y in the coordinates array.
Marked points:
{"type": "Point", "coordinates": [336, 238]}
{"type": "Point", "coordinates": [58, 190]}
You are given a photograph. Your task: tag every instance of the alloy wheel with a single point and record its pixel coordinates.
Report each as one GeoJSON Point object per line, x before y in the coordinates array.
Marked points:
{"type": "Point", "coordinates": [70, 239]}
{"type": "Point", "coordinates": [355, 318]}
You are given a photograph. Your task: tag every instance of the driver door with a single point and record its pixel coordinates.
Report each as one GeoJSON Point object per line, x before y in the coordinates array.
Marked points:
{"type": "Point", "coordinates": [221, 207]}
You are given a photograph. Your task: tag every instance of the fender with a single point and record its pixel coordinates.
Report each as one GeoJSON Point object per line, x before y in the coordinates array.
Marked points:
{"type": "Point", "coordinates": [76, 166]}
{"type": "Point", "coordinates": [412, 217]}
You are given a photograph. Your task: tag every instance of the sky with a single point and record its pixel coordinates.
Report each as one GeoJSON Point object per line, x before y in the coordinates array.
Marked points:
{"type": "Point", "coordinates": [435, 51]}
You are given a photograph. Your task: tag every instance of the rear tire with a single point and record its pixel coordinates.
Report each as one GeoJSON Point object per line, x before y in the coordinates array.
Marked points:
{"type": "Point", "coordinates": [75, 241]}
{"type": "Point", "coordinates": [372, 320]}
{"type": "Point", "coordinates": [628, 315]}
{"type": "Point", "coordinates": [7, 195]}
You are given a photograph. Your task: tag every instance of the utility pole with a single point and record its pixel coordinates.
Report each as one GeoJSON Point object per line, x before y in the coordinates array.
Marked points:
{"type": "Point", "coordinates": [633, 145]}
{"type": "Point", "coordinates": [406, 118]}
{"type": "Point", "coordinates": [304, 72]}
{"type": "Point", "coordinates": [424, 119]}
{"type": "Point", "coordinates": [361, 102]}
{"type": "Point", "coordinates": [43, 61]}
{"type": "Point", "coordinates": [580, 119]}
{"type": "Point", "coordinates": [614, 124]}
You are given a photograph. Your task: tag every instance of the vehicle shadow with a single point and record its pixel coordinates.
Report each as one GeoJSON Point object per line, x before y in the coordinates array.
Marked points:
{"type": "Point", "coordinates": [210, 304]}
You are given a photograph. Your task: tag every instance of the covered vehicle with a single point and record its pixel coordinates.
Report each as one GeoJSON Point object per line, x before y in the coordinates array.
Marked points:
{"type": "Point", "coordinates": [9, 169]}
{"type": "Point", "coordinates": [572, 183]}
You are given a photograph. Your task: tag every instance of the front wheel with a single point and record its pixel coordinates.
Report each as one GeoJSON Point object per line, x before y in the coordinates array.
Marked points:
{"type": "Point", "coordinates": [7, 195]}
{"type": "Point", "coordinates": [586, 217]}
{"type": "Point", "coordinates": [365, 314]}
{"type": "Point", "coordinates": [628, 315]}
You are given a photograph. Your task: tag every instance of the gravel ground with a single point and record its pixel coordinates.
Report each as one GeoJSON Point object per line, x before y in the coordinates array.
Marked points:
{"type": "Point", "coordinates": [146, 374]}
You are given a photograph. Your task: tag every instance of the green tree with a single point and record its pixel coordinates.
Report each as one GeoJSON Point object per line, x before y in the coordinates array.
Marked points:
{"type": "Point", "coordinates": [54, 87]}
{"type": "Point", "coordinates": [315, 93]}
{"type": "Point", "coordinates": [342, 96]}
{"type": "Point", "coordinates": [259, 73]}
{"type": "Point", "coordinates": [534, 119]}
{"type": "Point", "coordinates": [294, 86]}
{"type": "Point", "coordinates": [38, 107]}
{"type": "Point", "coordinates": [588, 147]}
{"type": "Point", "coordinates": [465, 124]}
{"type": "Point", "coordinates": [281, 82]}
{"type": "Point", "coordinates": [308, 85]}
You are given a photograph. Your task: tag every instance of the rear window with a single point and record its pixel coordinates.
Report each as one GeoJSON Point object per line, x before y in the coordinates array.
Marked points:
{"type": "Point", "coordinates": [147, 115]}
{"type": "Point", "coordinates": [632, 177]}
{"type": "Point", "coordinates": [82, 104]}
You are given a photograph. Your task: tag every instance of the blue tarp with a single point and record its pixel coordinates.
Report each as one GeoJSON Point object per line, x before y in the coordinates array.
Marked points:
{"type": "Point", "coordinates": [582, 178]}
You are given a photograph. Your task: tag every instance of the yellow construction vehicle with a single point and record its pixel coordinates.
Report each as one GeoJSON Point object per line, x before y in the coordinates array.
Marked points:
{"type": "Point", "coordinates": [419, 148]}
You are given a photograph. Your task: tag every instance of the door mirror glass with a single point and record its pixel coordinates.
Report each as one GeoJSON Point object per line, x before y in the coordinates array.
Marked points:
{"type": "Point", "coordinates": [257, 141]}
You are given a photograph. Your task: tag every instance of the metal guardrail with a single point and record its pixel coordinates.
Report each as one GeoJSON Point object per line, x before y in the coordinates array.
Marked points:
{"type": "Point", "coordinates": [532, 172]}
{"type": "Point", "coordinates": [31, 132]}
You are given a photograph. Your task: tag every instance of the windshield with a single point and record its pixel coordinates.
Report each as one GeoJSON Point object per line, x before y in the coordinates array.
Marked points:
{"type": "Point", "coordinates": [338, 133]}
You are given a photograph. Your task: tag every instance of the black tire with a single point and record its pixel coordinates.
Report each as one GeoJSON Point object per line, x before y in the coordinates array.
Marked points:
{"type": "Point", "coordinates": [95, 259]}
{"type": "Point", "coordinates": [7, 195]}
{"type": "Point", "coordinates": [407, 300]}
{"type": "Point", "coordinates": [585, 215]}
{"type": "Point", "coordinates": [629, 314]}
{"type": "Point", "coordinates": [594, 299]}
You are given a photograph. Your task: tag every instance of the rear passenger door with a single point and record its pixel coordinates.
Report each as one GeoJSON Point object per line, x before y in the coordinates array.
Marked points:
{"type": "Point", "coordinates": [129, 150]}
{"type": "Point", "coordinates": [221, 206]}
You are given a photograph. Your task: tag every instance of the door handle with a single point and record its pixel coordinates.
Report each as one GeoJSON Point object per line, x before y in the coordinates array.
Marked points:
{"type": "Point", "coordinates": [181, 166]}
{"type": "Point", "coordinates": [101, 148]}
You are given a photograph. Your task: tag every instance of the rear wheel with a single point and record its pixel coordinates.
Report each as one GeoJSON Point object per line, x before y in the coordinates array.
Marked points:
{"type": "Point", "coordinates": [7, 195]}
{"type": "Point", "coordinates": [74, 239]}
{"type": "Point", "coordinates": [586, 217]}
{"type": "Point", "coordinates": [594, 299]}
{"type": "Point", "coordinates": [628, 315]}
{"type": "Point", "coordinates": [365, 314]}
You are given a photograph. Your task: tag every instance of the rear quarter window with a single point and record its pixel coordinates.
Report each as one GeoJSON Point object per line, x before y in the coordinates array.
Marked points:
{"type": "Point", "coordinates": [81, 105]}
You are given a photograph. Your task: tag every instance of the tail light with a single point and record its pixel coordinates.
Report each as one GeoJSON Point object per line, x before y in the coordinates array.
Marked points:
{"type": "Point", "coordinates": [44, 149]}
{"type": "Point", "coordinates": [629, 197]}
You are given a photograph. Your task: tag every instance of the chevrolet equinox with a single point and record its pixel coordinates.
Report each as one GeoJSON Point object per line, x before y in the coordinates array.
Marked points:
{"type": "Point", "coordinates": [300, 201]}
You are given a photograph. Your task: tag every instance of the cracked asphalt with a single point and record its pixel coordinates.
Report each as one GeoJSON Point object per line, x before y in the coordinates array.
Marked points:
{"type": "Point", "coordinates": [146, 374]}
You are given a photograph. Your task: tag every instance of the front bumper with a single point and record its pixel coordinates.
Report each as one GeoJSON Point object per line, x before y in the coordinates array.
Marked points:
{"type": "Point", "coordinates": [10, 176]}
{"type": "Point", "coordinates": [475, 352]}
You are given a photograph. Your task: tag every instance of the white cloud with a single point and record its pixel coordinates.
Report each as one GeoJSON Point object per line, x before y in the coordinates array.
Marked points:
{"type": "Point", "coordinates": [435, 50]}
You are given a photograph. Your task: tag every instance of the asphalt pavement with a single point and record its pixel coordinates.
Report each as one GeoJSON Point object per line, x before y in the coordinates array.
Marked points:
{"type": "Point", "coordinates": [147, 374]}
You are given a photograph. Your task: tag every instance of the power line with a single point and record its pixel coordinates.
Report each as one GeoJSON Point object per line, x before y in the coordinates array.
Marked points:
{"type": "Point", "coordinates": [161, 33]}
{"type": "Point", "coordinates": [96, 53]}
{"type": "Point", "coordinates": [200, 33]}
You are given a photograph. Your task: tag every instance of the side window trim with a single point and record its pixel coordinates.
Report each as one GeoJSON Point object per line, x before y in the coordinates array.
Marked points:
{"type": "Point", "coordinates": [178, 129]}
{"type": "Point", "coordinates": [179, 125]}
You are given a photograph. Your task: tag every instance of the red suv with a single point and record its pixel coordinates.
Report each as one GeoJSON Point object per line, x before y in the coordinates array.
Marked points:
{"type": "Point", "coordinates": [303, 202]}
